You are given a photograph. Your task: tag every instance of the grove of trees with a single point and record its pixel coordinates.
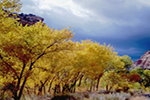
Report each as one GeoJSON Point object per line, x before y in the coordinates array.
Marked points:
{"type": "Point", "coordinates": [39, 60]}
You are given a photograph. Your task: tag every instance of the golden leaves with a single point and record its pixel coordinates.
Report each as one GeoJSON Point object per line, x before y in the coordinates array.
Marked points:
{"type": "Point", "coordinates": [11, 5]}
{"type": "Point", "coordinates": [43, 52]}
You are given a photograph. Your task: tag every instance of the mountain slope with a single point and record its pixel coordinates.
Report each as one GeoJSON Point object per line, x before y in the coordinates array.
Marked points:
{"type": "Point", "coordinates": [143, 62]}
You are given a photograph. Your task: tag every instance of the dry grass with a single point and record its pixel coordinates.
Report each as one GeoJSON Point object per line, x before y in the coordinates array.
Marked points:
{"type": "Point", "coordinates": [139, 98]}
{"type": "Point", "coordinates": [93, 96]}
{"type": "Point", "coordinates": [90, 96]}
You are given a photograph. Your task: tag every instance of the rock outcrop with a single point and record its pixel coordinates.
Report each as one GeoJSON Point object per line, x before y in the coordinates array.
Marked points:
{"type": "Point", "coordinates": [25, 19]}
{"type": "Point", "coordinates": [29, 19]}
{"type": "Point", "coordinates": [143, 62]}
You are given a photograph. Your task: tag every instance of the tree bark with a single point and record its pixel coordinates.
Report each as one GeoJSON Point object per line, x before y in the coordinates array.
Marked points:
{"type": "Point", "coordinates": [80, 80]}
{"type": "Point", "coordinates": [50, 85]}
{"type": "Point", "coordinates": [65, 88]}
{"type": "Point", "coordinates": [97, 85]}
{"type": "Point", "coordinates": [22, 87]}
{"type": "Point", "coordinates": [91, 86]}
{"type": "Point", "coordinates": [57, 89]}
{"type": "Point", "coordinates": [73, 86]}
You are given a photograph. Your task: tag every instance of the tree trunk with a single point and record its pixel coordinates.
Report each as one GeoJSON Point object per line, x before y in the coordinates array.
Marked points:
{"type": "Point", "coordinates": [73, 86]}
{"type": "Point", "coordinates": [80, 80]}
{"type": "Point", "coordinates": [50, 85]}
{"type": "Point", "coordinates": [65, 88]}
{"type": "Point", "coordinates": [106, 87]}
{"type": "Point", "coordinates": [94, 87]}
{"type": "Point", "coordinates": [91, 86]}
{"type": "Point", "coordinates": [18, 97]}
{"type": "Point", "coordinates": [40, 88]}
{"type": "Point", "coordinates": [44, 90]}
{"type": "Point", "coordinates": [35, 87]}
{"type": "Point", "coordinates": [97, 85]}
{"type": "Point", "coordinates": [57, 89]}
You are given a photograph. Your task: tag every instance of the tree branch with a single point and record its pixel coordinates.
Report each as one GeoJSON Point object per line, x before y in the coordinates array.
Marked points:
{"type": "Point", "coordinates": [9, 66]}
{"type": "Point", "coordinates": [44, 52]}
{"type": "Point", "coordinates": [24, 65]}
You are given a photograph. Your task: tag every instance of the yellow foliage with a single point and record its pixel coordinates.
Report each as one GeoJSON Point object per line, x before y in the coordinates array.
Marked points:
{"type": "Point", "coordinates": [11, 5]}
{"type": "Point", "coordinates": [25, 51]}
{"type": "Point", "coordinates": [36, 55]}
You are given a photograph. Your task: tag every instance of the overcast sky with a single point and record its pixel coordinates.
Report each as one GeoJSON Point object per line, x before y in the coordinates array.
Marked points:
{"type": "Point", "coordinates": [124, 24]}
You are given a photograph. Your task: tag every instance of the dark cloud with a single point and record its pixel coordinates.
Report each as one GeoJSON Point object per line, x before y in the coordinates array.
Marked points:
{"type": "Point", "coordinates": [124, 24]}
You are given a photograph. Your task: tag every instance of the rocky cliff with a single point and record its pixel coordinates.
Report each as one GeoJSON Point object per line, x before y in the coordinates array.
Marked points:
{"type": "Point", "coordinates": [143, 62]}
{"type": "Point", "coordinates": [25, 19]}
{"type": "Point", "coordinates": [29, 19]}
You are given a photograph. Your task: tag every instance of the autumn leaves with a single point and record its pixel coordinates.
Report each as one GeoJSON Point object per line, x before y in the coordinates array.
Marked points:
{"type": "Point", "coordinates": [39, 60]}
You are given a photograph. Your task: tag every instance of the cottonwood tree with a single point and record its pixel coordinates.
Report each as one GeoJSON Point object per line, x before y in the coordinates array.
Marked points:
{"type": "Point", "coordinates": [51, 70]}
{"type": "Point", "coordinates": [144, 76]}
{"type": "Point", "coordinates": [92, 61]}
{"type": "Point", "coordinates": [119, 78]}
{"type": "Point", "coordinates": [22, 47]}
{"type": "Point", "coordinates": [127, 61]}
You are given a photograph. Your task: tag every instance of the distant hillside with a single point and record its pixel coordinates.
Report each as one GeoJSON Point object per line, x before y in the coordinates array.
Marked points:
{"type": "Point", "coordinates": [143, 62]}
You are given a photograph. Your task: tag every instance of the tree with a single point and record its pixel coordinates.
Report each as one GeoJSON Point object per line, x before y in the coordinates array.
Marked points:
{"type": "Point", "coordinates": [10, 5]}
{"type": "Point", "coordinates": [35, 57]}
{"type": "Point", "coordinates": [144, 76]}
{"type": "Point", "coordinates": [93, 60]}
{"type": "Point", "coordinates": [119, 77]}
{"type": "Point", "coordinates": [127, 61]}
{"type": "Point", "coordinates": [21, 48]}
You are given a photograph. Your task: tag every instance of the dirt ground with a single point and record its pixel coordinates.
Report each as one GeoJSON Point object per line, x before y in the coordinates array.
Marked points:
{"type": "Point", "coordinates": [139, 98]}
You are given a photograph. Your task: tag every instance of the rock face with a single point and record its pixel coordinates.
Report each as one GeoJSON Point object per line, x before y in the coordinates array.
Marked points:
{"type": "Point", "coordinates": [29, 19]}
{"type": "Point", "coordinates": [143, 62]}
{"type": "Point", "coordinates": [26, 19]}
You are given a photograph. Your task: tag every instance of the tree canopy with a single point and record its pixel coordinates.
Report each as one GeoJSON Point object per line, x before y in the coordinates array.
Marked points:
{"type": "Point", "coordinates": [37, 59]}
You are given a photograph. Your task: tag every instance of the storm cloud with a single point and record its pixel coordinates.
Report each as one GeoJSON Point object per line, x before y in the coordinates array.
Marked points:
{"type": "Point", "coordinates": [124, 24]}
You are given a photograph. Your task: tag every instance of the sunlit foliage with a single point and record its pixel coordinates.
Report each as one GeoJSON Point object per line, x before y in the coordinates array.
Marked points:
{"type": "Point", "coordinates": [37, 59]}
